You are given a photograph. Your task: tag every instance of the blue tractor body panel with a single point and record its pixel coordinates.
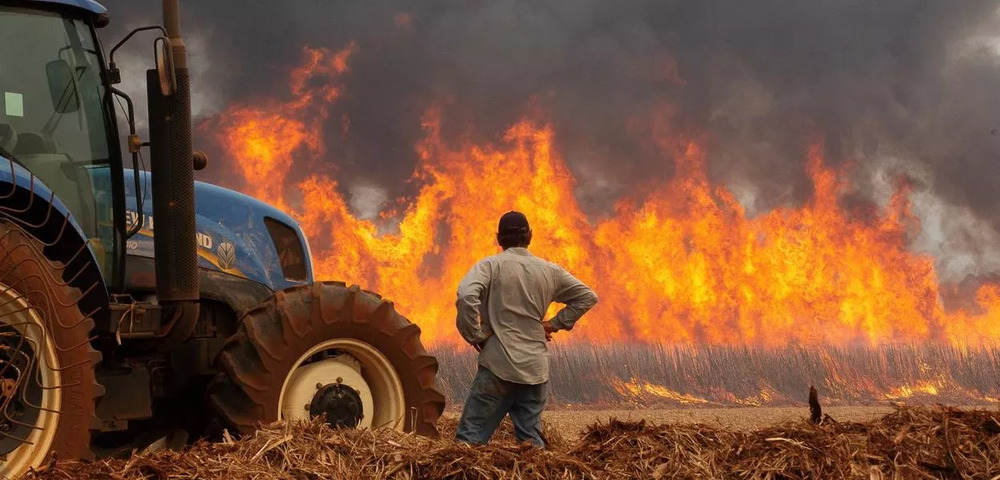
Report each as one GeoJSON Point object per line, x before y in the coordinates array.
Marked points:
{"type": "Point", "coordinates": [88, 5]}
{"type": "Point", "coordinates": [232, 235]}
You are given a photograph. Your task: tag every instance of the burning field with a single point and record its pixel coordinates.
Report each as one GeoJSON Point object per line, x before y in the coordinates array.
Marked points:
{"type": "Point", "coordinates": [677, 261]}
{"type": "Point", "coordinates": [648, 376]}
{"type": "Point", "coordinates": [702, 301]}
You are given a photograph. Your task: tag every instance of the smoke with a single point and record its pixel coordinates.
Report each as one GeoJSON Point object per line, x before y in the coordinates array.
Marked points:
{"type": "Point", "coordinates": [896, 87]}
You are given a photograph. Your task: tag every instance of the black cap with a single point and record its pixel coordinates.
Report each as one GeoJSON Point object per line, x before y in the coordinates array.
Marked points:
{"type": "Point", "coordinates": [513, 222]}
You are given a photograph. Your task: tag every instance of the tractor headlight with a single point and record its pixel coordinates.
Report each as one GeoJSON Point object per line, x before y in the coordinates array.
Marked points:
{"type": "Point", "coordinates": [291, 255]}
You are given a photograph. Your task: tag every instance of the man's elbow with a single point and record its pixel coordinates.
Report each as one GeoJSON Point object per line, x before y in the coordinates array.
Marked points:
{"type": "Point", "coordinates": [592, 300]}
{"type": "Point", "coordinates": [583, 303]}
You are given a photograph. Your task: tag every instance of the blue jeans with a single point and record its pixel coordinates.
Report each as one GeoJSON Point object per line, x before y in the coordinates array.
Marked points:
{"type": "Point", "coordinates": [491, 398]}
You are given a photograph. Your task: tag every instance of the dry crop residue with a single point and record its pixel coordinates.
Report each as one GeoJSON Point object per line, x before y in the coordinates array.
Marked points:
{"type": "Point", "coordinates": [909, 442]}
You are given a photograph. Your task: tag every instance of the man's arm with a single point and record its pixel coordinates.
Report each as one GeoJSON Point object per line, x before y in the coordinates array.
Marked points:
{"type": "Point", "coordinates": [578, 297]}
{"type": "Point", "coordinates": [470, 291]}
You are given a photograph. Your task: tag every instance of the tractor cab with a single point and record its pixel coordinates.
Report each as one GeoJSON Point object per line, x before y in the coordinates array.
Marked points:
{"type": "Point", "coordinates": [55, 120]}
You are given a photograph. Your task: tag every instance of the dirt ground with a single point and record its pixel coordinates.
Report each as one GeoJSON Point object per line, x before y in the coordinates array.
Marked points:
{"type": "Point", "coordinates": [572, 422]}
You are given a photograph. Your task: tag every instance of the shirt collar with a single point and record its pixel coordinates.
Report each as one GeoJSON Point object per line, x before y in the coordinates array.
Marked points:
{"type": "Point", "coordinates": [518, 251]}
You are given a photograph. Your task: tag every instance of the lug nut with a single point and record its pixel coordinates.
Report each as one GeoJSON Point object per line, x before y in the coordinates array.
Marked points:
{"type": "Point", "coordinates": [340, 379]}
{"type": "Point", "coordinates": [319, 385]}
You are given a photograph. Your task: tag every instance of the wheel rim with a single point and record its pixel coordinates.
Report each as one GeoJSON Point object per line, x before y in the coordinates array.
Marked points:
{"type": "Point", "coordinates": [29, 384]}
{"type": "Point", "coordinates": [358, 366]}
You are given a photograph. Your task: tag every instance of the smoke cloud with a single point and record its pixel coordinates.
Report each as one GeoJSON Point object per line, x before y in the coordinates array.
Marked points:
{"type": "Point", "coordinates": [895, 88]}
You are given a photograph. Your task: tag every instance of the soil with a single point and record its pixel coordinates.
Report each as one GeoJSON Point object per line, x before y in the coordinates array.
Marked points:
{"type": "Point", "coordinates": [571, 423]}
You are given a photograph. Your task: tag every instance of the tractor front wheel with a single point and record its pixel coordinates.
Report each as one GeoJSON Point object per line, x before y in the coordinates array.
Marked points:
{"type": "Point", "coordinates": [327, 350]}
{"type": "Point", "coordinates": [47, 384]}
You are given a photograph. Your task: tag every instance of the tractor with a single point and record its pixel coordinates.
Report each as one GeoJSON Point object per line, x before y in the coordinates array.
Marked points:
{"type": "Point", "coordinates": [137, 304]}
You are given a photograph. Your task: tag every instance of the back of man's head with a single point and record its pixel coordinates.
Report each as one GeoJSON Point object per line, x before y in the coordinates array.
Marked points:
{"type": "Point", "coordinates": [513, 230]}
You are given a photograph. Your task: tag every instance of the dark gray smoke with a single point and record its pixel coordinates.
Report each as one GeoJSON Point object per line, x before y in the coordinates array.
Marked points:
{"type": "Point", "coordinates": [893, 86]}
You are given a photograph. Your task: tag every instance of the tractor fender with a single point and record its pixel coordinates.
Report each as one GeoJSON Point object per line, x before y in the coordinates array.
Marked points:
{"type": "Point", "coordinates": [33, 206]}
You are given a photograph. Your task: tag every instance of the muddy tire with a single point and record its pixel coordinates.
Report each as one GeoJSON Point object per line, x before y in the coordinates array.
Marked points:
{"type": "Point", "coordinates": [313, 344]}
{"type": "Point", "coordinates": [47, 384]}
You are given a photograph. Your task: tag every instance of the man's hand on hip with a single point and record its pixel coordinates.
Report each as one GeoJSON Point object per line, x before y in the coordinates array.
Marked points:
{"type": "Point", "coordinates": [479, 346]}
{"type": "Point", "coordinates": [549, 329]}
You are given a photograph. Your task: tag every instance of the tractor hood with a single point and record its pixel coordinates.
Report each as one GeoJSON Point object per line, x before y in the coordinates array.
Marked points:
{"type": "Point", "coordinates": [237, 234]}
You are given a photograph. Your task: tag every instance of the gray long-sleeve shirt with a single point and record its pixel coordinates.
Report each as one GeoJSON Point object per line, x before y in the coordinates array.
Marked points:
{"type": "Point", "coordinates": [503, 300]}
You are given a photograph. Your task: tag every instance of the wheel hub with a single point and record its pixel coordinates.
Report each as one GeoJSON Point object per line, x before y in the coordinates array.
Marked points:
{"type": "Point", "coordinates": [356, 366]}
{"type": "Point", "coordinates": [30, 375]}
{"type": "Point", "coordinates": [340, 403]}
{"type": "Point", "coordinates": [20, 392]}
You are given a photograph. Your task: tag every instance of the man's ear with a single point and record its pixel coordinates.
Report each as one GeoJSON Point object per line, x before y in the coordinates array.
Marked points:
{"type": "Point", "coordinates": [528, 238]}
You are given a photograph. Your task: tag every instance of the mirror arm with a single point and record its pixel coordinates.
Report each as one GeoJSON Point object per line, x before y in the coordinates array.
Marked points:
{"type": "Point", "coordinates": [131, 111]}
{"type": "Point", "coordinates": [133, 147]}
{"type": "Point", "coordinates": [111, 56]}
{"type": "Point", "coordinates": [113, 72]}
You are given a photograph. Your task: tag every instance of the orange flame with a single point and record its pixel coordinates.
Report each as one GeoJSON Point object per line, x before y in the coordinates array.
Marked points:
{"type": "Point", "coordinates": [641, 390]}
{"type": "Point", "coordinates": [680, 264]}
{"type": "Point", "coordinates": [267, 137]}
{"type": "Point", "coordinates": [908, 391]}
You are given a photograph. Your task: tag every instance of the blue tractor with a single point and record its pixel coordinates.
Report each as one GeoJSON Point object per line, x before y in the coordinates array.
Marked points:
{"type": "Point", "coordinates": [134, 303]}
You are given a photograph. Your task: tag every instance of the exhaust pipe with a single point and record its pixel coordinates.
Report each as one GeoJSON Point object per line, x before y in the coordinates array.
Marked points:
{"type": "Point", "coordinates": [172, 169]}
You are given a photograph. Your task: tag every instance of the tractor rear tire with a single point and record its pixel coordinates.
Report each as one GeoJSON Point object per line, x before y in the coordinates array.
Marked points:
{"type": "Point", "coordinates": [311, 327]}
{"type": "Point", "coordinates": [46, 360]}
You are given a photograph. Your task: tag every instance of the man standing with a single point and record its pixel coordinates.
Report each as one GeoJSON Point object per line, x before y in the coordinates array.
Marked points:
{"type": "Point", "coordinates": [501, 306]}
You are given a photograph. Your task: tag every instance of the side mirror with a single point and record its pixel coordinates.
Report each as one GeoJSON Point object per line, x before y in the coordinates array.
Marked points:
{"type": "Point", "coordinates": [165, 65]}
{"type": "Point", "coordinates": [62, 88]}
